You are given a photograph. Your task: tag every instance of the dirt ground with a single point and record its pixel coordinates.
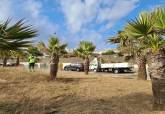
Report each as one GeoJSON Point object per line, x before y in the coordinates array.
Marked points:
{"type": "Point", "coordinates": [23, 92]}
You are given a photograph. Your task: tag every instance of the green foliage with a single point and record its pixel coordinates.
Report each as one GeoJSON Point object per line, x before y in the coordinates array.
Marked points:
{"type": "Point", "coordinates": [19, 54]}
{"type": "Point", "coordinates": [5, 53]}
{"type": "Point", "coordinates": [138, 31]}
{"type": "Point", "coordinates": [41, 46]}
{"type": "Point", "coordinates": [120, 54]}
{"type": "Point", "coordinates": [140, 28]}
{"type": "Point", "coordinates": [121, 38]}
{"type": "Point", "coordinates": [85, 49]}
{"type": "Point", "coordinates": [55, 47]}
{"type": "Point", "coordinates": [108, 52]}
{"type": "Point", "coordinates": [34, 51]}
{"type": "Point", "coordinates": [155, 42]}
{"type": "Point", "coordinates": [103, 60]}
{"type": "Point", "coordinates": [143, 33]}
{"type": "Point", "coordinates": [16, 36]}
{"type": "Point", "coordinates": [146, 31]}
{"type": "Point", "coordinates": [158, 17]}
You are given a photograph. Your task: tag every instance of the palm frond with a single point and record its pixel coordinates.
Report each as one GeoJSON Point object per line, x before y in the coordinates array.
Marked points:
{"type": "Point", "coordinates": [85, 49]}
{"type": "Point", "coordinates": [16, 36]}
{"type": "Point", "coordinates": [140, 27]}
{"type": "Point", "coordinates": [56, 47]}
{"type": "Point", "coordinates": [159, 17]}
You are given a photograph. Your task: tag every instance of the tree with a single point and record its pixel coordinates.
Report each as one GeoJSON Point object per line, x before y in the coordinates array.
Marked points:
{"type": "Point", "coordinates": [142, 34]}
{"type": "Point", "coordinates": [56, 50]}
{"type": "Point", "coordinates": [145, 37]}
{"type": "Point", "coordinates": [34, 51]}
{"type": "Point", "coordinates": [139, 30]}
{"type": "Point", "coordinates": [156, 44]}
{"type": "Point", "coordinates": [42, 47]}
{"type": "Point", "coordinates": [131, 40]}
{"type": "Point", "coordinates": [15, 37]}
{"type": "Point", "coordinates": [146, 31]}
{"type": "Point", "coordinates": [120, 38]}
{"type": "Point", "coordinates": [123, 42]}
{"type": "Point", "coordinates": [18, 54]}
{"type": "Point", "coordinates": [4, 55]}
{"type": "Point", "coordinates": [108, 52]}
{"type": "Point", "coordinates": [84, 51]}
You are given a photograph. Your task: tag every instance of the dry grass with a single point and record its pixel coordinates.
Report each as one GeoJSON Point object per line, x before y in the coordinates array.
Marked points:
{"type": "Point", "coordinates": [22, 92]}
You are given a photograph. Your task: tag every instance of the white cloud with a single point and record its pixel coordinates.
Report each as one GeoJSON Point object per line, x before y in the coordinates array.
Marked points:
{"type": "Point", "coordinates": [80, 13]}
{"type": "Point", "coordinates": [119, 10]}
{"type": "Point", "coordinates": [31, 10]}
{"type": "Point", "coordinates": [95, 37]}
{"type": "Point", "coordinates": [5, 9]}
{"type": "Point", "coordinates": [81, 17]}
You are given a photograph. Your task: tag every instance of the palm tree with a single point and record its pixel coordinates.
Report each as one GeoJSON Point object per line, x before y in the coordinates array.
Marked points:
{"type": "Point", "coordinates": [4, 55]}
{"type": "Point", "coordinates": [139, 30]}
{"type": "Point", "coordinates": [157, 67]}
{"type": "Point", "coordinates": [15, 37]}
{"type": "Point", "coordinates": [56, 49]}
{"type": "Point", "coordinates": [84, 51]}
{"type": "Point", "coordinates": [120, 38]}
{"type": "Point", "coordinates": [128, 45]}
{"type": "Point", "coordinates": [42, 47]}
{"type": "Point", "coordinates": [156, 44]}
{"type": "Point", "coordinates": [18, 54]}
{"type": "Point", "coordinates": [32, 50]}
{"type": "Point", "coordinates": [123, 41]}
{"type": "Point", "coordinates": [146, 31]}
{"type": "Point", "coordinates": [133, 39]}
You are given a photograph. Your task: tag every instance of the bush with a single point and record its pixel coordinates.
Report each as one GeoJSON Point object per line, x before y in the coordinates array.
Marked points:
{"type": "Point", "coordinates": [120, 54]}
{"type": "Point", "coordinates": [108, 52]}
{"type": "Point", "coordinates": [34, 51]}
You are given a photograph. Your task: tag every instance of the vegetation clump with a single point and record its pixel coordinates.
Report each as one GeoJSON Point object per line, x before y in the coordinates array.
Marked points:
{"type": "Point", "coordinates": [85, 50]}
{"type": "Point", "coordinates": [108, 52]}
{"type": "Point", "coordinates": [142, 36]}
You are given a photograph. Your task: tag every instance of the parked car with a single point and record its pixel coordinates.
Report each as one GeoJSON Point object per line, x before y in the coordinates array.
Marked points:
{"type": "Point", "coordinates": [74, 67]}
{"type": "Point", "coordinates": [8, 64]}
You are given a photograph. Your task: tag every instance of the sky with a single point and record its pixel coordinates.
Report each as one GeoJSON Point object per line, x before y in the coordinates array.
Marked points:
{"type": "Point", "coordinates": [76, 20]}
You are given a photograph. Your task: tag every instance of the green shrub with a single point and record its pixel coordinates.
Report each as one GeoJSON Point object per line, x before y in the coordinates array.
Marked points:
{"type": "Point", "coordinates": [108, 52]}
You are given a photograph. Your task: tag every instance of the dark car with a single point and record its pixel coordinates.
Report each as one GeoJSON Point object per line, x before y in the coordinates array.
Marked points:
{"type": "Point", "coordinates": [74, 67]}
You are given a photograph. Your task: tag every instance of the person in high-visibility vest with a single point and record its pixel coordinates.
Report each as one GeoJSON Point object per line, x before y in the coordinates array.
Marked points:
{"type": "Point", "coordinates": [32, 61]}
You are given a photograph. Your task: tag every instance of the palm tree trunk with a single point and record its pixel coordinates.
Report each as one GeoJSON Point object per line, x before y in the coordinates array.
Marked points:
{"type": "Point", "coordinates": [157, 65]}
{"type": "Point", "coordinates": [86, 65]}
{"type": "Point", "coordinates": [157, 73]}
{"type": "Point", "coordinates": [17, 61]}
{"type": "Point", "coordinates": [141, 61]}
{"type": "Point", "coordinates": [4, 61]}
{"type": "Point", "coordinates": [54, 66]}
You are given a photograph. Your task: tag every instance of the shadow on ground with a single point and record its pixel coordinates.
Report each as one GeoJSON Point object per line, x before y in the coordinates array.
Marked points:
{"type": "Point", "coordinates": [73, 80]}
